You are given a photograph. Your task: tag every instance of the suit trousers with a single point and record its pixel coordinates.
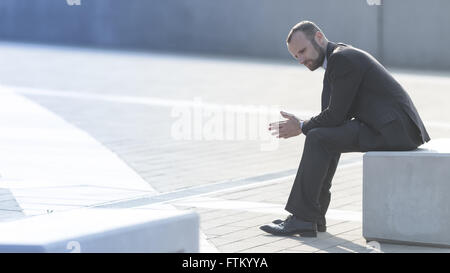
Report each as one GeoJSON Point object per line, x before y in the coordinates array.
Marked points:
{"type": "Point", "coordinates": [310, 194]}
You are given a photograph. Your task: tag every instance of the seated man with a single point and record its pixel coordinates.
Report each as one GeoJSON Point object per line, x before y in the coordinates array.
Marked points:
{"type": "Point", "coordinates": [363, 109]}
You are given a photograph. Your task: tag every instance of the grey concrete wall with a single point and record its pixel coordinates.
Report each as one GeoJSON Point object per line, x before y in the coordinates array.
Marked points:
{"type": "Point", "coordinates": [255, 28]}
{"type": "Point", "coordinates": [416, 33]}
{"type": "Point", "coordinates": [238, 27]}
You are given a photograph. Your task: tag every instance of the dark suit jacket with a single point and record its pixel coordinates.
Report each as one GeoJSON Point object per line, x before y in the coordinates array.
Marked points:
{"type": "Point", "coordinates": [357, 86]}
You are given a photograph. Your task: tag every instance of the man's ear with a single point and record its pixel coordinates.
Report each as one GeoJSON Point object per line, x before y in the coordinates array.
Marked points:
{"type": "Point", "coordinates": [318, 37]}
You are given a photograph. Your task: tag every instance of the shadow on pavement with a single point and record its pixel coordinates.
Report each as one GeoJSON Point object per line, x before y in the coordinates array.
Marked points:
{"type": "Point", "coordinates": [9, 208]}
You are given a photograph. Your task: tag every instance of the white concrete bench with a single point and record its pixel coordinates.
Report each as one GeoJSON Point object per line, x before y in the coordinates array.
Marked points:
{"type": "Point", "coordinates": [406, 195]}
{"type": "Point", "coordinates": [103, 230]}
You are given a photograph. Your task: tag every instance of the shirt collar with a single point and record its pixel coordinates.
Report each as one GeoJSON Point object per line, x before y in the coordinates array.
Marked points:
{"type": "Point", "coordinates": [324, 65]}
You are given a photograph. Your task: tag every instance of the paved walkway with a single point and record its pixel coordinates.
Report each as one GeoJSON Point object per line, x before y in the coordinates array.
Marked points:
{"type": "Point", "coordinates": [50, 166]}
{"type": "Point", "coordinates": [129, 102]}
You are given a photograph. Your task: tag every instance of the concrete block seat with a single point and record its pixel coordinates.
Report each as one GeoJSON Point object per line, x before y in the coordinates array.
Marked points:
{"type": "Point", "coordinates": [406, 195]}
{"type": "Point", "coordinates": [103, 230]}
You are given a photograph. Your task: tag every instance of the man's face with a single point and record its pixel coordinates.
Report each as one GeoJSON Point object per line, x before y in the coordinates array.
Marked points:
{"type": "Point", "coordinates": [306, 52]}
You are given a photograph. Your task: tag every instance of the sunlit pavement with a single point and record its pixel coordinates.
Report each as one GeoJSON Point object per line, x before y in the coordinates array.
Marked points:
{"type": "Point", "coordinates": [130, 106]}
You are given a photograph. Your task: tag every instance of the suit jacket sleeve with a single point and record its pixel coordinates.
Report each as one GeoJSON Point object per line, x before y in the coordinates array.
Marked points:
{"type": "Point", "coordinates": [345, 78]}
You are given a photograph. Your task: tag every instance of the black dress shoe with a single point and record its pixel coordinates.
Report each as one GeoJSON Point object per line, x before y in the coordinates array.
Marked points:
{"type": "Point", "coordinates": [292, 226]}
{"type": "Point", "coordinates": [321, 226]}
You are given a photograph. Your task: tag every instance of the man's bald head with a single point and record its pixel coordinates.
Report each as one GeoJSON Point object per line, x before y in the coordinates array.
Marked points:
{"type": "Point", "coordinates": [307, 27]}
{"type": "Point", "coordinates": [307, 44]}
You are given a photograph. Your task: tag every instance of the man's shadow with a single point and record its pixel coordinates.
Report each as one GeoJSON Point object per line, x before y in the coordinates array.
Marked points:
{"type": "Point", "coordinates": [336, 244]}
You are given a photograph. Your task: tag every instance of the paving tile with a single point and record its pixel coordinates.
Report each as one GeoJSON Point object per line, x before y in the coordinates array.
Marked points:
{"type": "Point", "coordinates": [304, 248]}
{"type": "Point", "coordinates": [292, 251]}
{"type": "Point", "coordinates": [262, 249]}
{"type": "Point", "coordinates": [343, 227]}
{"type": "Point", "coordinates": [237, 236]}
{"type": "Point", "coordinates": [241, 245]}
{"type": "Point", "coordinates": [254, 222]}
{"type": "Point", "coordinates": [348, 247]}
{"type": "Point", "coordinates": [286, 243]}
{"type": "Point", "coordinates": [223, 230]}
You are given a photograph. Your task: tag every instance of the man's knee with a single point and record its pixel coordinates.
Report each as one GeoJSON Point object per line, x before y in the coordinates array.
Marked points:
{"type": "Point", "coordinates": [326, 138]}
{"type": "Point", "coordinates": [316, 134]}
{"type": "Point", "coordinates": [338, 139]}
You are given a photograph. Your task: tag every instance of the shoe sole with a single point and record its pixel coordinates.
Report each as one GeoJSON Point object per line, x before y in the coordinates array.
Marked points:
{"type": "Point", "coordinates": [307, 233]}
{"type": "Point", "coordinates": [319, 228]}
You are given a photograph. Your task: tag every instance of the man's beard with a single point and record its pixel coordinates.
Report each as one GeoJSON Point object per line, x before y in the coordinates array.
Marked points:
{"type": "Point", "coordinates": [319, 60]}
